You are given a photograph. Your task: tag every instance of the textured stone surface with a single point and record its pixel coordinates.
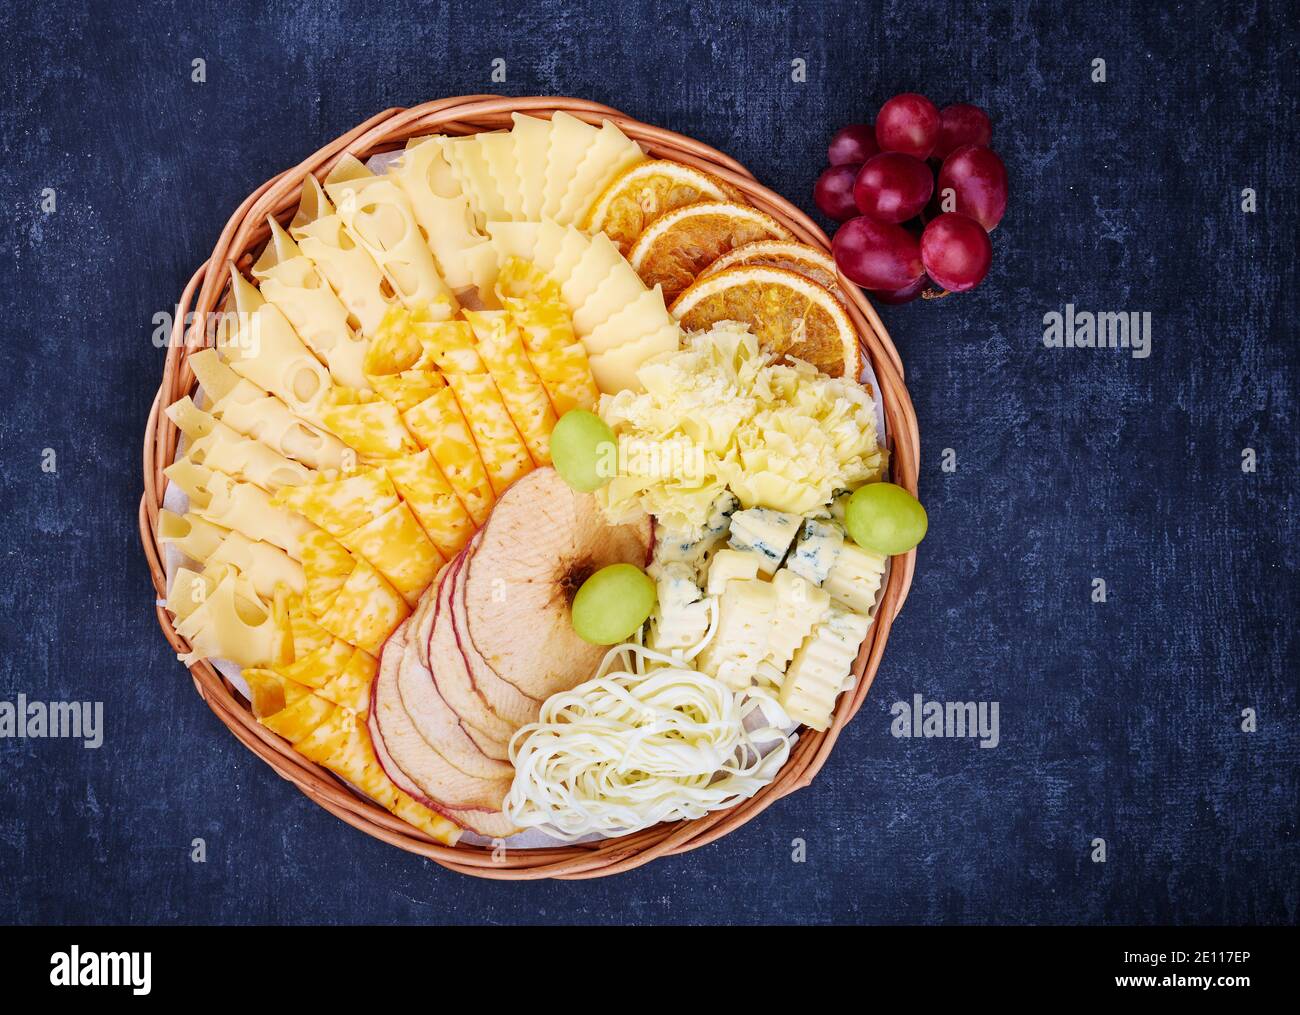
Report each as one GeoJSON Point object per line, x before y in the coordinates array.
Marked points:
{"type": "Point", "coordinates": [1118, 721]}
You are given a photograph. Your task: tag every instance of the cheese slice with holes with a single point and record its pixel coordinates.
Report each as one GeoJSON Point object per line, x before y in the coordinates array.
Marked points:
{"type": "Point", "coordinates": [531, 138]}
{"type": "Point", "coordinates": [366, 610]}
{"type": "Point", "coordinates": [264, 348]}
{"type": "Point", "coordinates": [440, 207]}
{"type": "Point", "coordinates": [214, 445]}
{"type": "Point", "coordinates": [265, 566]}
{"type": "Point", "coordinates": [440, 426]}
{"type": "Point", "coordinates": [376, 212]}
{"type": "Point", "coordinates": [220, 500]}
{"type": "Point", "coordinates": [571, 139]}
{"type": "Point", "coordinates": [610, 153]}
{"type": "Point", "coordinates": [291, 282]}
{"type": "Point", "coordinates": [340, 505]}
{"type": "Point", "coordinates": [525, 398]}
{"type": "Point", "coordinates": [421, 484]}
{"type": "Point", "coordinates": [398, 548]}
{"type": "Point", "coordinates": [343, 262]}
{"type": "Point", "coordinates": [253, 412]}
{"type": "Point", "coordinates": [194, 537]}
{"type": "Point", "coordinates": [366, 422]}
{"type": "Point", "coordinates": [231, 623]}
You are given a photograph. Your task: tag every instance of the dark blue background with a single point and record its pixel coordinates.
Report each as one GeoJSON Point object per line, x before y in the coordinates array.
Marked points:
{"type": "Point", "coordinates": [1119, 720]}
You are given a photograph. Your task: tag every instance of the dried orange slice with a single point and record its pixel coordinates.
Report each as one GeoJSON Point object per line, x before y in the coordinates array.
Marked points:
{"type": "Point", "coordinates": [801, 258]}
{"type": "Point", "coordinates": [790, 314]}
{"type": "Point", "coordinates": [642, 193]}
{"type": "Point", "coordinates": [682, 243]}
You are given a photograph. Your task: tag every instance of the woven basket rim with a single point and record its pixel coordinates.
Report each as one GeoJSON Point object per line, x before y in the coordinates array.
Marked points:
{"type": "Point", "coordinates": [244, 234]}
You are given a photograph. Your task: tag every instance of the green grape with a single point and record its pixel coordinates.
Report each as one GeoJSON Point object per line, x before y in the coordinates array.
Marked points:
{"type": "Point", "coordinates": [612, 604]}
{"type": "Point", "coordinates": [885, 518]}
{"type": "Point", "coordinates": [584, 450]}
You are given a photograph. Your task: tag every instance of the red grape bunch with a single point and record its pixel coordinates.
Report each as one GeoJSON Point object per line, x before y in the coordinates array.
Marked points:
{"type": "Point", "coordinates": [918, 195]}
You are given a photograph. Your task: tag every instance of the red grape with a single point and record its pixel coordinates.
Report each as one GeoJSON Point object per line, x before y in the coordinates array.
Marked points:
{"type": "Point", "coordinates": [908, 123]}
{"type": "Point", "coordinates": [833, 192]}
{"type": "Point", "coordinates": [853, 144]}
{"type": "Point", "coordinates": [978, 180]}
{"type": "Point", "coordinates": [877, 255]}
{"type": "Point", "coordinates": [904, 295]}
{"type": "Point", "coordinates": [893, 187]}
{"type": "Point", "coordinates": [962, 124]}
{"type": "Point", "coordinates": [956, 251]}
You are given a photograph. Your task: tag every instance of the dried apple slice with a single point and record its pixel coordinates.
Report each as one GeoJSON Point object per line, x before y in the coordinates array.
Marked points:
{"type": "Point", "coordinates": [541, 543]}
{"type": "Point", "coordinates": [502, 696]}
{"type": "Point", "coordinates": [419, 770]}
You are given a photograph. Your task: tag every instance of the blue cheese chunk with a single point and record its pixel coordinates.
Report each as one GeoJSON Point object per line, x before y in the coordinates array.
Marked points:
{"type": "Point", "coordinates": [816, 551]}
{"type": "Point", "coordinates": [676, 546]}
{"type": "Point", "coordinates": [766, 533]}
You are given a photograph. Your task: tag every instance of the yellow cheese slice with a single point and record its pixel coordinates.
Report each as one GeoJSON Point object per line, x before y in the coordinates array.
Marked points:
{"type": "Point", "coordinates": [504, 454]}
{"type": "Point", "coordinates": [218, 499]}
{"type": "Point", "coordinates": [645, 315]}
{"type": "Point", "coordinates": [497, 149]}
{"type": "Point", "coordinates": [440, 207]}
{"type": "Point", "coordinates": [398, 548]}
{"type": "Point", "coordinates": [450, 347]}
{"type": "Point", "coordinates": [266, 350]}
{"type": "Point", "coordinates": [190, 590]}
{"type": "Point", "coordinates": [351, 688]}
{"type": "Point", "coordinates": [571, 139]}
{"type": "Point", "coordinates": [217, 446]}
{"type": "Point", "coordinates": [308, 636]}
{"type": "Point", "coordinates": [272, 693]}
{"type": "Point", "coordinates": [439, 425]}
{"type": "Point", "coordinates": [616, 370]}
{"type": "Point", "coordinates": [532, 141]}
{"type": "Point", "coordinates": [610, 153]}
{"type": "Point", "coordinates": [231, 623]}
{"type": "Point", "coordinates": [621, 287]}
{"type": "Point", "coordinates": [522, 279]}
{"type": "Point", "coordinates": [341, 504]}
{"type": "Point", "coordinates": [367, 423]}
{"type": "Point", "coordinates": [572, 248]}
{"type": "Point", "coordinates": [326, 565]}
{"type": "Point", "coordinates": [466, 160]}
{"type": "Point", "coordinates": [249, 410]}
{"type": "Point", "coordinates": [598, 261]}
{"type": "Point", "coordinates": [565, 373]}
{"type": "Point", "coordinates": [396, 361]}
{"type": "Point", "coordinates": [424, 488]}
{"type": "Point", "coordinates": [342, 744]}
{"type": "Point", "coordinates": [366, 610]}
{"type": "Point", "coordinates": [266, 566]}
{"type": "Point", "coordinates": [376, 211]}
{"type": "Point", "coordinates": [320, 666]}
{"type": "Point", "coordinates": [513, 240]}
{"type": "Point", "coordinates": [291, 282]}
{"type": "Point", "coordinates": [190, 534]}
{"type": "Point", "coordinates": [525, 398]}
{"type": "Point", "coordinates": [346, 265]}
{"type": "Point", "coordinates": [297, 721]}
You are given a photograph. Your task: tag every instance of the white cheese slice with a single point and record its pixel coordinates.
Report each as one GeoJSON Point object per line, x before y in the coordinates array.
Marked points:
{"type": "Point", "coordinates": [571, 138]}
{"type": "Point", "coordinates": [644, 315]}
{"type": "Point", "coordinates": [610, 153]}
{"type": "Point", "coordinates": [532, 140]}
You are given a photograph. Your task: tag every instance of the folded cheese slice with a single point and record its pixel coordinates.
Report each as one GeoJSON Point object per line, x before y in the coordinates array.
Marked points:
{"type": "Point", "coordinates": [376, 212]}
{"type": "Point", "coordinates": [220, 500]}
{"type": "Point", "coordinates": [341, 259]}
{"type": "Point", "coordinates": [610, 154]}
{"type": "Point", "coordinates": [253, 412]}
{"type": "Point", "coordinates": [291, 282]}
{"type": "Point", "coordinates": [217, 446]}
{"type": "Point", "coordinates": [531, 138]}
{"type": "Point", "coordinates": [571, 139]}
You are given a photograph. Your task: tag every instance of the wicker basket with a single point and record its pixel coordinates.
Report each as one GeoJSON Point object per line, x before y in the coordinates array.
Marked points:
{"type": "Point", "coordinates": [241, 240]}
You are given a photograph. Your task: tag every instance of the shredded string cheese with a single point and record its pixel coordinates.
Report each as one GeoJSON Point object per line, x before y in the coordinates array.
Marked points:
{"type": "Point", "coordinates": [638, 745]}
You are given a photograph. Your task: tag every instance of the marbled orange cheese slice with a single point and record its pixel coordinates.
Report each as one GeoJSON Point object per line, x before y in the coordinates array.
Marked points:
{"type": "Point", "coordinates": [341, 505]}
{"type": "Point", "coordinates": [525, 397]}
{"type": "Point", "coordinates": [366, 610]}
{"type": "Point", "coordinates": [439, 425]}
{"type": "Point", "coordinates": [504, 454]}
{"type": "Point", "coordinates": [398, 548]}
{"type": "Point", "coordinates": [366, 422]}
{"type": "Point", "coordinates": [421, 484]}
